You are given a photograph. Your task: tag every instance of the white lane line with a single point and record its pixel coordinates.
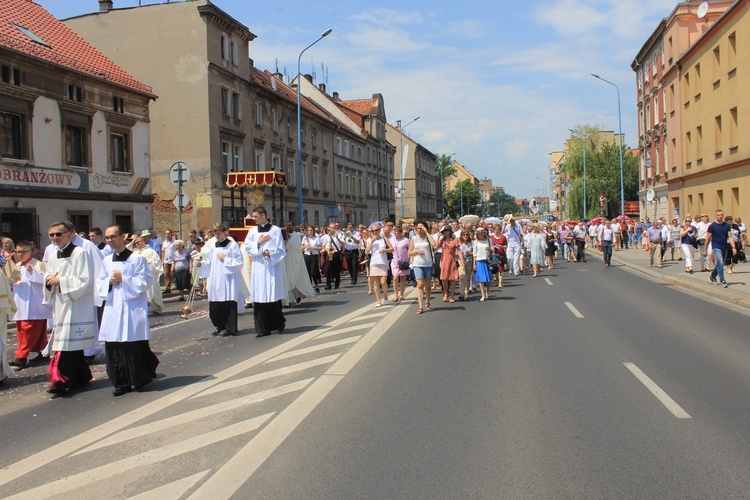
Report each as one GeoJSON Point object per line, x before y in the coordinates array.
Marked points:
{"type": "Point", "coordinates": [230, 477]}
{"type": "Point", "coordinates": [233, 384]}
{"type": "Point", "coordinates": [172, 490]}
{"type": "Point", "coordinates": [339, 331]}
{"type": "Point", "coordinates": [150, 457]}
{"type": "Point", "coordinates": [575, 311]}
{"type": "Point", "coordinates": [662, 396]}
{"type": "Point", "coordinates": [316, 348]}
{"type": "Point", "coordinates": [549, 282]}
{"type": "Point", "coordinates": [191, 416]}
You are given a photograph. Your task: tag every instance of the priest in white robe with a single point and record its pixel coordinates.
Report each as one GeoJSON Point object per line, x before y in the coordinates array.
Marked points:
{"type": "Point", "coordinates": [32, 314]}
{"type": "Point", "coordinates": [69, 287]}
{"type": "Point", "coordinates": [124, 281]}
{"type": "Point", "coordinates": [222, 266]}
{"type": "Point", "coordinates": [296, 280]}
{"type": "Point", "coordinates": [7, 308]}
{"type": "Point", "coordinates": [265, 245]}
{"type": "Point", "coordinates": [155, 298]}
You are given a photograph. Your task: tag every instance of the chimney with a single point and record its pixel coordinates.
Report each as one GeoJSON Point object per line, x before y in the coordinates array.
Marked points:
{"type": "Point", "coordinates": [308, 78]}
{"type": "Point", "coordinates": [322, 87]}
{"type": "Point", "coordinates": [105, 5]}
{"type": "Point", "coordinates": [336, 96]}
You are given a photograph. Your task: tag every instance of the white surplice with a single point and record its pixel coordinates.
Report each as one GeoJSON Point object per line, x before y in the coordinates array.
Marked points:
{"type": "Point", "coordinates": [74, 314]}
{"type": "Point", "coordinates": [125, 316]}
{"type": "Point", "coordinates": [28, 293]}
{"type": "Point", "coordinates": [7, 308]}
{"type": "Point", "coordinates": [267, 278]}
{"type": "Point", "coordinates": [296, 280]}
{"type": "Point", "coordinates": [223, 282]}
{"type": "Point", "coordinates": [155, 298]}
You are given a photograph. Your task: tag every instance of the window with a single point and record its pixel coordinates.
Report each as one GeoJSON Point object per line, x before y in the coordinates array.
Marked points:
{"type": "Point", "coordinates": [275, 121]}
{"type": "Point", "coordinates": [259, 114]}
{"type": "Point", "coordinates": [732, 55]}
{"type": "Point", "coordinates": [699, 146]}
{"type": "Point", "coordinates": [353, 186]}
{"type": "Point", "coordinates": [81, 220]}
{"type": "Point", "coordinates": [304, 175]}
{"type": "Point", "coordinates": [338, 146]}
{"type": "Point", "coordinates": [359, 179]}
{"type": "Point", "coordinates": [288, 129]}
{"type": "Point", "coordinates": [76, 153]}
{"type": "Point", "coordinates": [346, 186]}
{"type": "Point", "coordinates": [124, 220]}
{"type": "Point", "coordinates": [237, 158]}
{"type": "Point", "coordinates": [733, 138]}
{"type": "Point", "coordinates": [341, 183]}
{"type": "Point", "coordinates": [325, 179]}
{"type": "Point", "coordinates": [316, 177]}
{"type": "Point", "coordinates": [260, 160]}
{"type": "Point", "coordinates": [12, 140]}
{"type": "Point", "coordinates": [697, 82]}
{"type": "Point", "coordinates": [346, 149]}
{"type": "Point", "coordinates": [226, 149]}
{"type": "Point", "coordinates": [119, 152]}
{"type": "Point", "coordinates": [718, 138]}
{"type": "Point", "coordinates": [276, 162]}
{"type": "Point", "coordinates": [291, 171]}
{"type": "Point", "coordinates": [224, 101]}
{"type": "Point", "coordinates": [75, 93]}
{"type": "Point", "coordinates": [33, 36]}
{"type": "Point", "coordinates": [717, 64]}
{"type": "Point", "coordinates": [313, 132]}
{"type": "Point", "coordinates": [117, 104]}
{"type": "Point", "coordinates": [233, 52]}
{"type": "Point", "coordinates": [236, 105]}
{"type": "Point", "coordinates": [325, 143]}
{"type": "Point", "coordinates": [224, 47]}
{"type": "Point", "coordinates": [688, 148]}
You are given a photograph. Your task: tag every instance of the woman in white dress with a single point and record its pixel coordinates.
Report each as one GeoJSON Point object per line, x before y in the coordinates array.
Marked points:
{"type": "Point", "coordinates": [536, 242]}
{"type": "Point", "coordinates": [378, 247]}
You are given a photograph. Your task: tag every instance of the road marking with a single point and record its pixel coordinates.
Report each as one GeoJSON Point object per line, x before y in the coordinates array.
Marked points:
{"type": "Point", "coordinates": [230, 477]}
{"type": "Point", "coordinates": [150, 457]}
{"type": "Point", "coordinates": [575, 311]}
{"type": "Point", "coordinates": [172, 490]}
{"type": "Point", "coordinates": [57, 451]}
{"type": "Point", "coordinates": [373, 315]}
{"type": "Point", "coordinates": [549, 282]}
{"type": "Point", "coordinates": [316, 348]}
{"type": "Point", "coordinates": [184, 418]}
{"type": "Point", "coordinates": [258, 377]}
{"type": "Point", "coordinates": [662, 396]}
{"type": "Point", "coordinates": [347, 329]}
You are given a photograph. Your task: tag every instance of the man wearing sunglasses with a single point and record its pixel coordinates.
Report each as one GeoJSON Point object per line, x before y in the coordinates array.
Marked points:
{"type": "Point", "coordinates": [69, 285]}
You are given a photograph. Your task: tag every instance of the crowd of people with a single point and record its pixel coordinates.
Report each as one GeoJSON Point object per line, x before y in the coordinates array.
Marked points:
{"type": "Point", "coordinates": [100, 287]}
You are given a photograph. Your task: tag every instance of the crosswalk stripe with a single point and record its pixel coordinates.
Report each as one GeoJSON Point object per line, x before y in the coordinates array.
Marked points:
{"type": "Point", "coordinates": [315, 348]}
{"type": "Point", "coordinates": [224, 406]}
{"type": "Point", "coordinates": [233, 384]}
{"type": "Point", "coordinates": [339, 331]}
{"type": "Point", "coordinates": [172, 490]}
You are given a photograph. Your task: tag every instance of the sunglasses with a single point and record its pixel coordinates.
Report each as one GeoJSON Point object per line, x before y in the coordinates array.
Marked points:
{"type": "Point", "coordinates": [56, 235]}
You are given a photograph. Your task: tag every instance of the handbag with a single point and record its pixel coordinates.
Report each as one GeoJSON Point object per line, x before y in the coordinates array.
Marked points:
{"type": "Point", "coordinates": [435, 273]}
{"type": "Point", "coordinates": [403, 265]}
{"type": "Point", "coordinates": [493, 262]}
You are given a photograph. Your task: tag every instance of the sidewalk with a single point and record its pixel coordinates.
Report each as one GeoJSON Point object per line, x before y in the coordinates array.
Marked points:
{"type": "Point", "coordinates": [673, 272]}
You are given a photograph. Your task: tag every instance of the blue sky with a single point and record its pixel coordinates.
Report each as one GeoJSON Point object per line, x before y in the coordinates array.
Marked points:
{"type": "Point", "coordinates": [497, 83]}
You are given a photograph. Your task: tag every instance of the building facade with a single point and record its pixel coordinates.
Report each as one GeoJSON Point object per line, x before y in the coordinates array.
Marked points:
{"type": "Point", "coordinates": [74, 131]}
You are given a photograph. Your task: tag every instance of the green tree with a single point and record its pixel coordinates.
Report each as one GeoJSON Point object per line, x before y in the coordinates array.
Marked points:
{"type": "Point", "coordinates": [501, 204]}
{"type": "Point", "coordinates": [444, 164]}
{"type": "Point", "coordinates": [463, 199]}
{"type": "Point", "coordinates": [602, 174]}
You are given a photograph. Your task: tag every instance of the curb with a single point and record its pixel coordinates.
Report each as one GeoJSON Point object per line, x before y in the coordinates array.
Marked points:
{"type": "Point", "coordinates": [709, 290]}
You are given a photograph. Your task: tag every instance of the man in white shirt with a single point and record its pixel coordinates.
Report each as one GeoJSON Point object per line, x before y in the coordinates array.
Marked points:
{"type": "Point", "coordinates": [513, 233]}
{"type": "Point", "coordinates": [167, 249]}
{"type": "Point", "coordinates": [700, 236]}
{"type": "Point", "coordinates": [352, 240]}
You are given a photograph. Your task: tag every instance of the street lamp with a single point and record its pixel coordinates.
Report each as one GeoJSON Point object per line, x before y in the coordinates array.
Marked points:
{"type": "Point", "coordinates": [583, 145]}
{"type": "Point", "coordinates": [299, 125]}
{"type": "Point", "coordinates": [619, 115]}
{"type": "Point", "coordinates": [403, 166]}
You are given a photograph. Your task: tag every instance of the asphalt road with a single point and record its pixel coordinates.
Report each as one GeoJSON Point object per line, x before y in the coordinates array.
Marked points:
{"type": "Point", "coordinates": [584, 383]}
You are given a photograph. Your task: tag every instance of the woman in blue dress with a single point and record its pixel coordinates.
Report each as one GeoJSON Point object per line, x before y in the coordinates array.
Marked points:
{"type": "Point", "coordinates": [481, 254]}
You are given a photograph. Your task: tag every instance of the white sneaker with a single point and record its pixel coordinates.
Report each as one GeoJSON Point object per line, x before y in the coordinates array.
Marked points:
{"type": "Point", "coordinates": [385, 301]}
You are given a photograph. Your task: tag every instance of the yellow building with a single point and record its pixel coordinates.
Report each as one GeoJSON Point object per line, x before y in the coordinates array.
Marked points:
{"type": "Point", "coordinates": [461, 175]}
{"type": "Point", "coordinates": [715, 168]}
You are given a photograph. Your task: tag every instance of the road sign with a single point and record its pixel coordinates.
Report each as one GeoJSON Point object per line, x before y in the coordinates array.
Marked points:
{"type": "Point", "coordinates": [181, 200]}
{"type": "Point", "coordinates": [179, 173]}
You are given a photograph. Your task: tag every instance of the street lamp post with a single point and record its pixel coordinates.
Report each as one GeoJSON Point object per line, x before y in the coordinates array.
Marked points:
{"type": "Point", "coordinates": [401, 148]}
{"type": "Point", "coordinates": [583, 145]}
{"type": "Point", "coordinates": [299, 125]}
{"type": "Point", "coordinates": [619, 116]}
